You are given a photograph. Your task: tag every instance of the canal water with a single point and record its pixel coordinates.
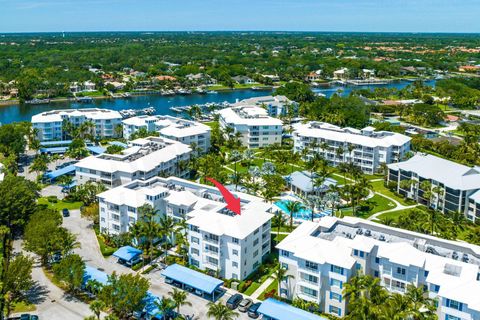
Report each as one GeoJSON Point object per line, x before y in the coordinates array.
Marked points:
{"type": "Point", "coordinates": [162, 104]}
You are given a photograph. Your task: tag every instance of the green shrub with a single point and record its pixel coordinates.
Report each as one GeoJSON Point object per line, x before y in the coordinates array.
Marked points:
{"type": "Point", "coordinates": [52, 199]}
{"type": "Point", "coordinates": [137, 266]}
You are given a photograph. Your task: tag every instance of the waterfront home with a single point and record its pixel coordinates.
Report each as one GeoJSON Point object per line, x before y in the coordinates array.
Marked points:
{"type": "Point", "coordinates": [276, 105]}
{"type": "Point", "coordinates": [229, 245]}
{"type": "Point", "coordinates": [341, 74]}
{"type": "Point", "coordinates": [321, 257]}
{"type": "Point", "coordinates": [243, 80]}
{"type": "Point", "coordinates": [49, 125]}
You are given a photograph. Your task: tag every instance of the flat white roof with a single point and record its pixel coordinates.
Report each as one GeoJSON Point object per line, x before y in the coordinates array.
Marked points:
{"type": "Point", "coordinates": [248, 115]}
{"type": "Point", "coordinates": [207, 213]}
{"type": "Point", "coordinates": [451, 174]}
{"type": "Point", "coordinates": [331, 241]}
{"type": "Point", "coordinates": [328, 131]}
{"type": "Point", "coordinates": [89, 113]}
{"type": "Point", "coordinates": [170, 126]}
{"type": "Point", "coordinates": [137, 158]}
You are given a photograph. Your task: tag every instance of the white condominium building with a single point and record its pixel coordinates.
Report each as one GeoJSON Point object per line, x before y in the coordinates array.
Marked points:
{"type": "Point", "coordinates": [276, 105]}
{"type": "Point", "coordinates": [49, 124]}
{"type": "Point", "coordinates": [185, 131]}
{"type": "Point", "coordinates": [144, 159]}
{"type": "Point", "coordinates": [453, 187]}
{"type": "Point", "coordinates": [255, 127]}
{"type": "Point", "coordinates": [365, 148]}
{"type": "Point", "coordinates": [323, 256]}
{"type": "Point", "coordinates": [219, 241]}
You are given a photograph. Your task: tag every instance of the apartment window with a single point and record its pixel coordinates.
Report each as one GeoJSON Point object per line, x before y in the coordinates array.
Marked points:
{"type": "Point", "coordinates": [195, 240]}
{"type": "Point", "coordinates": [336, 269]}
{"type": "Point", "coordinates": [401, 271]}
{"type": "Point", "coordinates": [285, 253]}
{"type": "Point", "coordinates": [377, 260]}
{"type": "Point", "coordinates": [131, 209]}
{"type": "Point", "coordinates": [336, 283]}
{"type": "Point", "coordinates": [362, 254]}
{"type": "Point", "coordinates": [195, 251]}
{"type": "Point", "coordinates": [255, 242]}
{"type": "Point", "coordinates": [398, 285]}
{"type": "Point", "coordinates": [450, 317]}
{"type": "Point", "coordinates": [116, 227]}
{"type": "Point", "coordinates": [426, 273]}
{"type": "Point", "coordinates": [335, 310]}
{"type": "Point", "coordinates": [234, 276]}
{"type": "Point", "coordinates": [131, 220]}
{"type": "Point", "coordinates": [255, 253]}
{"type": "Point", "coordinates": [311, 265]}
{"type": "Point", "coordinates": [284, 266]}
{"type": "Point", "coordinates": [255, 265]}
{"type": "Point", "coordinates": [235, 252]}
{"type": "Point", "coordinates": [454, 304]}
{"type": "Point", "coordinates": [212, 260]}
{"type": "Point", "coordinates": [335, 296]}
{"type": "Point", "coordinates": [256, 231]}
{"type": "Point", "coordinates": [309, 278]}
{"type": "Point", "coordinates": [309, 291]}
{"type": "Point", "coordinates": [435, 288]}
{"type": "Point", "coordinates": [235, 240]}
{"type": "Point", "coordinates": [375, 273]}
{"type": "Point", "coordinates": [235, 264]}
{"type": "Point", "coordinates": [195, 263]}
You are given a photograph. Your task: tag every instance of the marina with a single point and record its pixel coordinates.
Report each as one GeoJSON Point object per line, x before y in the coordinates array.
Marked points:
{"type": "Point", "coordinates": [163, 102]}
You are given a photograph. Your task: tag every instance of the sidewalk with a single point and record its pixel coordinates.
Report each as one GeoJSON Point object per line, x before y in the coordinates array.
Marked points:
{"type": "Point", "coordinates": [262, 287]}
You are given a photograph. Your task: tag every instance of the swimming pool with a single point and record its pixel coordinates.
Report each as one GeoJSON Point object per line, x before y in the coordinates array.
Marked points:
{"type": "Point", "coordinates": [303, 214]}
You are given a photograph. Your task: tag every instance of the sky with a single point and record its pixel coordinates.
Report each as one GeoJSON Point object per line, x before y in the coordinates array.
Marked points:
{"type": "Point", "coordinates": [244, 15]}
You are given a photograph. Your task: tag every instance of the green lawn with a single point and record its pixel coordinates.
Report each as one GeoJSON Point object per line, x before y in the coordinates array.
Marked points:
{"type": "Point", "coordinates": [380, 188]}
{"type": "Point", "coordinates": [60, 204]}
{"type": "Point", "coordinates": [272, 286]}
{"type": "Point", "coordinates": [277, 238]}
{"type": "Point", "coordinates": [378, 204]}
{"type": "Point", "coordinates": [22, 307]}
{"type": "Point", "coordinates": [253, 287]}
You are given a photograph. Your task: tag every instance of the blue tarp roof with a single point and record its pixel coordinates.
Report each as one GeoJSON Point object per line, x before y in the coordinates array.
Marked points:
{"type": "Point", "coordinates": [95, 149]}
{"type": "Point", "coordinates": [127, 253]}
{"type": "Point", "coordinates": [60, 172]}
{"type": "Point", "coordinates": [55, 143]}
{"type": "Point", "coordinates": [54, 150]}
{"type": "Point", "coordinates": [94, 274]}
{"type": "Point", "coordinates": [192, 278]}
{"type": "Point", "coordinates": [118, 143]}
{"type": "Point", "coordinates": [282, 311]}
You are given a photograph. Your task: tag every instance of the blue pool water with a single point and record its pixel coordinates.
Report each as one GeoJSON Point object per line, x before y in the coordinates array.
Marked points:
{"type": "Point", "coordinates": [304, 214]}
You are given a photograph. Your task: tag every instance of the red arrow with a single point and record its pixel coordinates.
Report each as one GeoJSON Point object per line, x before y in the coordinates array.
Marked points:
{"type": "Point", "coordinates": [232, 202]}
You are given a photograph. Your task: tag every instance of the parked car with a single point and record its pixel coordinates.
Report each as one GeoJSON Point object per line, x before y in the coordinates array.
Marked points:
{"type": "Point", "coordinates": [252, 311]}
{"type": "Point", "coordinates": [234, 301]}
{"type": "Point", "coordinates": [168, 281]}
{"type": "Point", "coordinates": [27, 316]}
{"type": "Point", "coordinates": [65, 212]}
{"type": "Point", "coordinates": [245, 304]}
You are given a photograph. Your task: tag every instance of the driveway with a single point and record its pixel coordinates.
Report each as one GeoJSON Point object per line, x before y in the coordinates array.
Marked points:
{"type": "Point", "coordinates": [51, 302]}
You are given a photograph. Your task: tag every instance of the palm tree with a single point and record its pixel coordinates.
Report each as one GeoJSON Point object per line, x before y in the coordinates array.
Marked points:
{"type": "Point", "coordinates": [280, 274]}
{"type": "Point", "coordinates": [97, 306]}
{"type": "Point", "coordinates": [165, 305]}
{"type": "Point", "coordinates": [293, 207]}
{"type": "Point", "coordinates": [179, 297]}
{"type": "Point", "coordinates": [426, 187]}
{"type": "Point", "coordinates": [235, 156]}
{"type": "Point", "coordinates": [420, 306]}
{"type": "Point", "coordinates": [279, 220]}
{"type": "Point", "coordinates": [166, 227]}
{"type": "Point", "coordinates": [218, 311]}
{"type": "Point", "coordinates": [148, 227]}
